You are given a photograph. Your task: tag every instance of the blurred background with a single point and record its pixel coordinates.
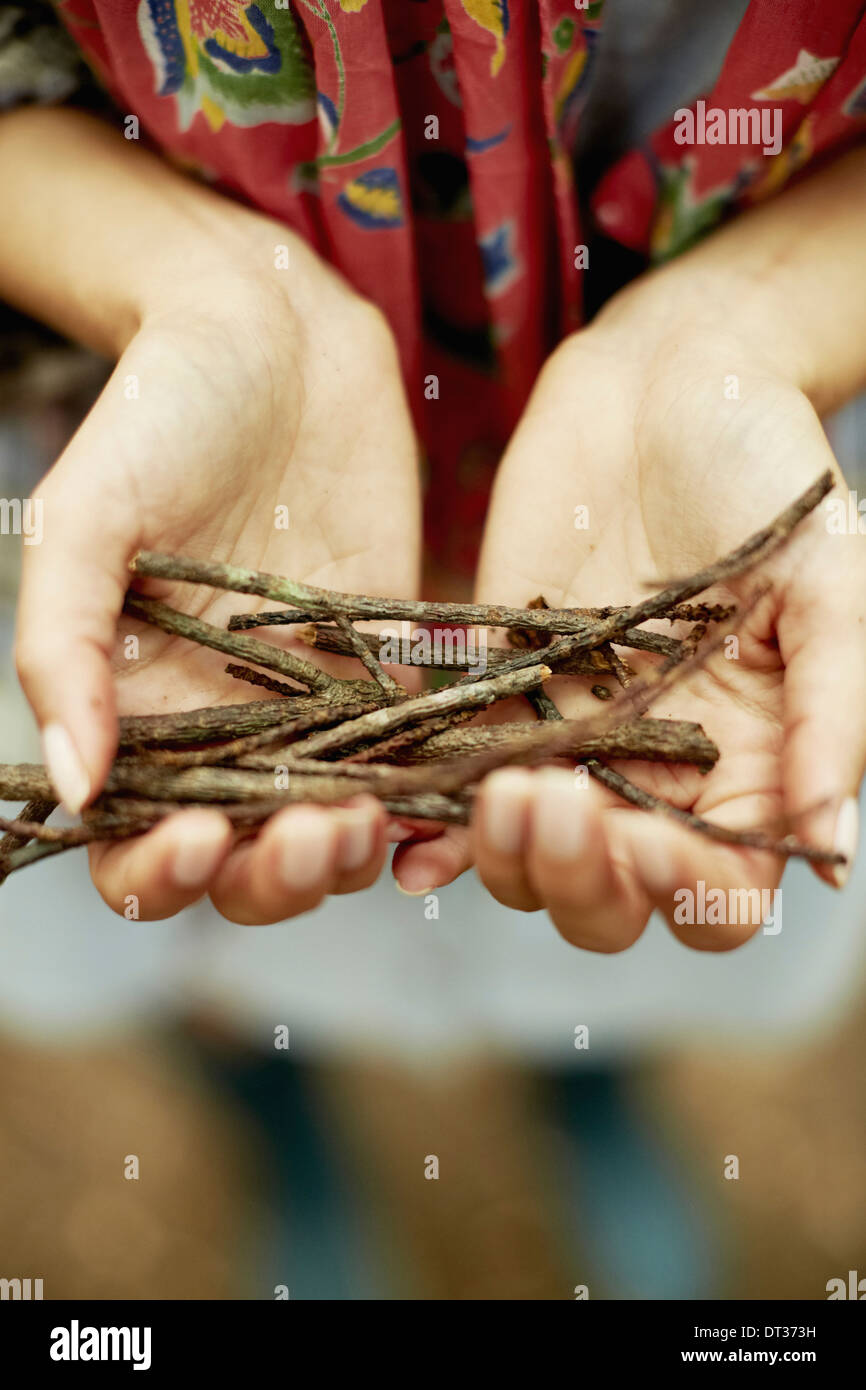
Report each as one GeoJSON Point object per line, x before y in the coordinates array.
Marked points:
{"type": "Point", "coordinates": [308, 1170]}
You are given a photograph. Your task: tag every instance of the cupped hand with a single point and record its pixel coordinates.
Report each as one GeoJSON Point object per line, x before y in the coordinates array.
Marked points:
{"type": "Point", "coordinates": [680, 437]}
{"type": "Point", "coordinates": [242, 402]}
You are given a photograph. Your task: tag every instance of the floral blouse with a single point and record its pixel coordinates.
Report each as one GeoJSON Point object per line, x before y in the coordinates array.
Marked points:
{"type": "Point", "coordinates": [426, 147]}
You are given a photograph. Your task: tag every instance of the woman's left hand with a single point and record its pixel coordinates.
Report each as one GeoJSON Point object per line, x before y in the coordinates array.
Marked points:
{"type": "Point", "coordinates": [680, 436]}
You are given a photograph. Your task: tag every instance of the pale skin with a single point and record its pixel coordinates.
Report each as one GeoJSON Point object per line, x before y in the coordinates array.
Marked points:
{"type": "Point", "coordinates": [257, 391]}
{"type": "Point", "coordinates": [632, 419]}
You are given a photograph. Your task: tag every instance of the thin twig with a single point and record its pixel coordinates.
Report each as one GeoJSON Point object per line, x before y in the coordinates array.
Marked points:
{"type": "Point", "coordinates": [152, 610]}
{"type": "Point", "coordinates": [35, 812]}
{"type": "Point", "coordinates": [351, 735]}
{"type": "Point", "coordinates": [362, 650]}
{"type": "Point", "coordinates": [215, 722]}
{"type": "Point", "coordinates": [552, 740]}
{"type": "Point", "coordinates": [646, 740]}
{"type": "Point", "coordinates": [325, 638]}
{"type": "Point", "coordinates": [279, 733]}
{"type": "Point", "coordinates": [25, 830]}
{"type": "Point", "coordinates": [358, 607]}
{"type": "Point", "coordinates": [450, 698]}
{"type": "Point", "coordinates": [401, 743]}
{"type": "Point", "coordinates": [246, 673]}
{"type": "Point", "coordinates": [789, 846]}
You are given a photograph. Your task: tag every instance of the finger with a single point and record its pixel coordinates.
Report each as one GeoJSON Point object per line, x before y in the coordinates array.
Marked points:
{"type": "Point", "coordinates": [71, 594]}
{"type": "Point", "coordinates": [425, 865]}
{"type": "Point", "coordinates": [500, 826]}
{"type": "Point", "coordinates": [713, 896]}
{"type": "Point", "coordinates": [401, 829]}
{"type": "Point", "coordinates": [301, 855]}
{"type": "Point", "coordinates": [285, 870]}
{"type": "Point", "coordinates": [821, 638]}
{"type": "Point", "coordinates": [570, 867]}
{"type": "Point", "coordinates": [362, 844]}
{"type": "Point", "coordinates": [165, 870]}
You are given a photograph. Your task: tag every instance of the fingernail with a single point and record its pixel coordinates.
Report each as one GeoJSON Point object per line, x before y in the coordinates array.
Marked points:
{"type": "Point", "coordinates": [560, 815]}
{"type": "Point", "coordinates": [307, 850]}
{"type": "Point", "coordinates": [65, 769]}
{"type": "Point", "coordinates": [356, 840]}
{"type": "Point", "coordinates": [412, 892]}
{"type": "Point", "coordinates": [503, 809]}
{"type": "Point", "coordinates": [396, 832]}
{"type": "Point", "coordinates": [197, 855]}
{"type": "Point", "coordinates": [413, 875]}
{"type": "Point", "coordinates": [845, 839]}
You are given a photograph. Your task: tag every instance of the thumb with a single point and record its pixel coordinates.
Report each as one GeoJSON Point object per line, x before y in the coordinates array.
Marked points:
{"type": "Point", "coordinates": [821, 639]}
{"type": "Point", "coordinates": [73, 583]}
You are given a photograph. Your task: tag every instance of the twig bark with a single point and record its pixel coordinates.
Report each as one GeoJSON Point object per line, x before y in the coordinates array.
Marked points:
{"type": "Point", "coordinates": [649, 740]}
{"type": "Point", "coordinates": [35, 812]}
{"type": "Point", "coordinates": [152, 610]}
{"type": "Point", "coordinates": [350, 735]}
{"type": "Point", "coordinates": [246, 673]}
{"type": "Point", "coordinates": [282, 732]}
{"type": "Point", "coordinates": [24, 830]}
{"type": "Point", "coordinates": [358, 608]}
{"type": "Point", "coordinates": [215, 722]}
{"type": "Point", "coordinates": [592, 630]}
{"type": "Point", "coordinates": [400, 744]}
{"type": "Point", "coordinates": [552, 739]}
{"type": "Point", "coordinates": [360, 648]}
{"type": "Point", "coordinates": [330, 639]}
{"type": "Point", "coordinates": [380, 722]}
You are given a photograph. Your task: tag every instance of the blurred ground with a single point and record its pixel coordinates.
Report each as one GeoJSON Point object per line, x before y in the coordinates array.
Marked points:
{"type": "Point", "coordinates": [68, 1121]}
{"type": "Point", "coordinates": [499, 1222]}
{"type": "Point", "coordinates": [797, 1121]}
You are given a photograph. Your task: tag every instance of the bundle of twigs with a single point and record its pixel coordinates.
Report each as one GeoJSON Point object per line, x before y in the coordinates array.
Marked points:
{"type": "Point", "coordinates": [322, 739]}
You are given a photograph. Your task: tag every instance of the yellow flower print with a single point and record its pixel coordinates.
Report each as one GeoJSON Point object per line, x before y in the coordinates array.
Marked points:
{"type": "Point", "coordinates": [493, 16]}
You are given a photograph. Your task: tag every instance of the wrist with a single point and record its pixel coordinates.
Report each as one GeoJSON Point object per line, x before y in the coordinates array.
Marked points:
{"type": "Point", "coordinates": [785, 279]}
{"type": "Point", "coordinates": [217, 258]}
{"type": "Point", "coordinates": [125, 239]}
{"type": "Point", "coordinates": [689, 314]}
{"type": "Point", "coordinates": [231, 265]}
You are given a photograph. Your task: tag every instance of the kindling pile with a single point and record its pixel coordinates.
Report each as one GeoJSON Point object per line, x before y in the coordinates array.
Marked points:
{"type": "Point", "coordinates": [322, 738]}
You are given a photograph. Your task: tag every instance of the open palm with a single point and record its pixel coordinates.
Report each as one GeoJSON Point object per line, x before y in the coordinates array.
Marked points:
{"type": "Point", "coordinates": [676, 459]}
{"type": "Point", "coordinates": [216, 428]}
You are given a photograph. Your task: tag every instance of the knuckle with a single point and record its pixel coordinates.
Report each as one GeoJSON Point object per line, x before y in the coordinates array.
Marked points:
{"type": "Point", "coordinates": [28, 659]}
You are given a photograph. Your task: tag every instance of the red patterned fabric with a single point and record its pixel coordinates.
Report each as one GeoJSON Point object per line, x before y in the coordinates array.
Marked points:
{"type": "Point", "coordinates": [426, 148]}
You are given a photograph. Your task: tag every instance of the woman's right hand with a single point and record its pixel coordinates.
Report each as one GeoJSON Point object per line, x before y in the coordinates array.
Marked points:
{"type": "Point", "coordinates": [240, 393]}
